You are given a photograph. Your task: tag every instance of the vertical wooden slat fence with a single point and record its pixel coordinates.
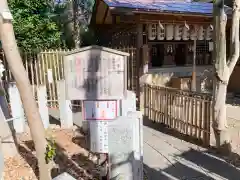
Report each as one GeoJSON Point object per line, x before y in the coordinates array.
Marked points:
{"type": "Point", "coordinates": [39, 67]}
{"type": "Point", "coordinates": [131, 67]}
{"type": "Point", "coordinates": [187, 112]}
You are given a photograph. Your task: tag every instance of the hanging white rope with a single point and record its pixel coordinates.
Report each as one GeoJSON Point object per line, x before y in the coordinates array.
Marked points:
{"type": "Point", "coordinates": [160, 31]}
{"type": "Point", "coordinates": [185, 34]}
{"type": "Point", "coordinates": [209, 32]}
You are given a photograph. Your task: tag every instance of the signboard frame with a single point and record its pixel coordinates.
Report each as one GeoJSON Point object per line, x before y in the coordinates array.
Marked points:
{"type": "Point", "coordinates": [99, 119]}
{"type": "Point", "coordinates": [80, 87]}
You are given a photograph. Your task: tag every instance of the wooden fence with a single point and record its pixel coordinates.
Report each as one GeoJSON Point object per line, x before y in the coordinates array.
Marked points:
{"type": "Point", "coordinates": [187, 112]}
{"type": "Point", "coordinates": [132, 72]}
{"type": "Point", "coordinates": [45, 67]}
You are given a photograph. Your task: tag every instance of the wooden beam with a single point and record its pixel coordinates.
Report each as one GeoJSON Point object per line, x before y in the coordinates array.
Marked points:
{"type": "Point", "coordinates": [95, 11]}
{"type": "Point", "coordinates": [146, 18]}
{"type": "Point", "coordinates": [105, 15]}
{"type": "Point", "coordinates": [174, 17]}
{"type": "Point", "coordinates": [139, 44]}
{"type": "Point", "coordinates": [173, 14]}
{"type": "Point", "coordinates": [114, 19]}
{"type": "Point", "coordinates": [110, 28]}
{"type": "Point", "coordinates": [128, 11]}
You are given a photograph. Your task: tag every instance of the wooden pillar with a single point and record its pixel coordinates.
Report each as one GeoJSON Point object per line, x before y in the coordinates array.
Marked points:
{"type": "Point", "coordinates": [194, 78]}
{"type": "Point", "coordinates": [144, 70]}
{"type": "Point", "coordinates": [139, 45]}
{"type": "Point", "coordinates": [145, 58]}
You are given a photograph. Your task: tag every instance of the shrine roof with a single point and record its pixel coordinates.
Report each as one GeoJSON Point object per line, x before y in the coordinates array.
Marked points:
{"type": "Point", "coordinates": [161, 6]}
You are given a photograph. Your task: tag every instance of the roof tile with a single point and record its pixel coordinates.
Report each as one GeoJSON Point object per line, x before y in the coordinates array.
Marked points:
{"type": "Point", "coordinates": [179, 6]}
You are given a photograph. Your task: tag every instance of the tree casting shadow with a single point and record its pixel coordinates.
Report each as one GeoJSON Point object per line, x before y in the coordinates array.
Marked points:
{"type": "Point", "coordinates": [77, 165]}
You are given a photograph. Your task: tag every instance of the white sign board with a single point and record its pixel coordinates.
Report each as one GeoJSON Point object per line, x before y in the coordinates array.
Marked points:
{"type": "Point", "coordinates": [95, 73]}
{"type": "Point", "coordinates": [99, 136]}
{"type": "Point", "coordinates": [100, 110]}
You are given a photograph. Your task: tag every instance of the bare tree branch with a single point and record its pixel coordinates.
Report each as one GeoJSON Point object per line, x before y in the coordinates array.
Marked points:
{"type": "Point", "coordinates": [220, 44]}
{"type": "Point", "coordinates": [234, 44]}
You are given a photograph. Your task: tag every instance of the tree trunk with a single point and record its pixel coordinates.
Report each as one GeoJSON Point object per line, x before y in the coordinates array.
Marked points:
{"type": "Point", "coordinates": [76, 24]}
{"type": "Point", "coordinates": [30, 107]}
{"type": "Point", "coordinates": [220, 121]}
{"type": "Point", "coordinates": [223, 68]}
{"type": "Point", "coordinates": [221, 76]}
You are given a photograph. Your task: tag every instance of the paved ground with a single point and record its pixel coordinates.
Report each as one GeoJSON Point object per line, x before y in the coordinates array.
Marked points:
{"type": "Point", "coordinates": [233, 112]}
{"type": "Point", "coordinates": [169, 158]}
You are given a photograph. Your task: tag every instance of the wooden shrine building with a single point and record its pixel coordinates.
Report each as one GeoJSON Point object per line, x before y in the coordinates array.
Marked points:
{"type": "Point", "coordinates": [161, 35]}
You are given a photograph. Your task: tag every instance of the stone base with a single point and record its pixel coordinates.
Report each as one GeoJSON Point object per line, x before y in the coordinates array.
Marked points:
{"type": "Point", "coordinates": [64, 176]}
{"type": "Point", "coordinates": [222, 142]}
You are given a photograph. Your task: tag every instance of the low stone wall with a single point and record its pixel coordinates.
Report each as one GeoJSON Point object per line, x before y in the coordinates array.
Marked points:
{"type": "Point", "coordinates": [204, 82]}
{"type": "Point", "coordinates": [155, 79]}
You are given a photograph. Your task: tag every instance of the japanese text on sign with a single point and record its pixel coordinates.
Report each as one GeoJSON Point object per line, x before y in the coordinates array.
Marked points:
{"type": "Point", "coordinates": [99, 136]}
{"type": "Point", "coordinates": [100, 110]}
{"type": "Point", "coordinates": [95, 74]}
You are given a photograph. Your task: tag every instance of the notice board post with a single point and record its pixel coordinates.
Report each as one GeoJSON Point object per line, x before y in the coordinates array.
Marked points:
{"type": "Point", "coordinates": [97, 76]}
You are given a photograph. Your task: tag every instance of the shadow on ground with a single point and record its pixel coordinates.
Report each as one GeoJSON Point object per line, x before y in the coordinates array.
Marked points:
{"type": "Point", "coordinates": [194, 165]}
{"type": "Point", "coordinates": [166, 130]}
{"type": "Point", "coordinates": [77, 165]}
{"type": "Point", "coordinates": [81, 139]}
{"type": "Point", "coordinates": [29, 158]}
{"type": "Point", "coordinates": [224, 152]}
{"type": "Point", "coordinates": [54, 120]}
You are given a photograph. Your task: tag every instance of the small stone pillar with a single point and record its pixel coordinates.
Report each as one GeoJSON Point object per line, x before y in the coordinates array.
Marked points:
{"type": "Point", "coordinates": [16, 108]}
{"type": "Point", "coordinates": [66, 114]}
{"type": "Point", "coordinates": [138, 143]}
{"type": "Point", "coordinates": [42, 105]}
{"type": "Point", "coordinates": [129, 103]}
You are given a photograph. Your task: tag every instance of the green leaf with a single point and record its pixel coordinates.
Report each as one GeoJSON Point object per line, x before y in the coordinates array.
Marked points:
{"type": "Point", "coordinates": [41, 24]}
{"type": "Point", "coordinates": [33, 27]}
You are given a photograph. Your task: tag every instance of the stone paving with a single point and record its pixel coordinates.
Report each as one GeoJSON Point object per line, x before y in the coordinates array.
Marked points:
{"type": "Point", "coordinates": [168, 158]}
{"type": "Point", "coordinates": [233, 112]}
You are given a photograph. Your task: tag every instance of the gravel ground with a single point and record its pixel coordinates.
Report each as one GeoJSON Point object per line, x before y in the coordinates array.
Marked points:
{"type": "Point", "coordinates": [72, 157]}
